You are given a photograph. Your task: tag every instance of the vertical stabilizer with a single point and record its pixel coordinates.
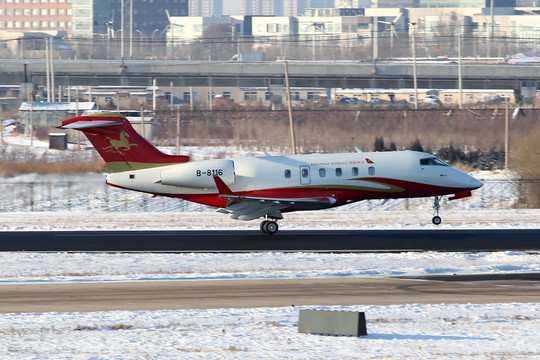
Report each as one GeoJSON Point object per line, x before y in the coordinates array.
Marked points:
{"type": "Point", "coordinates": [118, 143]}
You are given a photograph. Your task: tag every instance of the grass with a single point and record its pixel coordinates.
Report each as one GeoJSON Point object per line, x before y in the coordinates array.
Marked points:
{"type": "Point", "coordinates": [464, 137]}
{"type": "Point", "coordinates": [342, 130]}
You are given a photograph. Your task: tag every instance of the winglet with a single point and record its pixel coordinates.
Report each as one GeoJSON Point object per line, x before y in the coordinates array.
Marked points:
{"type": "Point", "coordinates": [223, 189]}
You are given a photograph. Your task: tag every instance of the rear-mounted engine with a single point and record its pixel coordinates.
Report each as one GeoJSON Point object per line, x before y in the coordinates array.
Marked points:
{"type": "Point", "coordinates": [199, 174]}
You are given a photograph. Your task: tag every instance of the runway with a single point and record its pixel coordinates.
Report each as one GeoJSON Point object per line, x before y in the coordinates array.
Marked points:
{"type": "Point", "coordinates": [159, 295]}
{"type": "Point", "coordinates": [284, 240]}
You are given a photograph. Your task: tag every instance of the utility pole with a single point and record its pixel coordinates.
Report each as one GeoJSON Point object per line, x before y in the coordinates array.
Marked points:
{"type": "Point", "coordinates": [130, 29]}
{"type": "Point", "coordinates": [289, 103]}
{"type": "Point", "coordinates": [459, 71]}
{"type": "Point", "coordinates": [414, 66]}
{"type": "Point", "coordinates": [506, 140]}
{"type": "Point", "coordinates": [122, 32]}
{"type": "Point", "coordinates": [375, 5]}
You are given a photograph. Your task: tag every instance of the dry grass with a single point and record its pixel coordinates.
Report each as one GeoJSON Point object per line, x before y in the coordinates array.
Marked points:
{"type": "Point", "coordinates": [479, 134]}
{"type": "Point", "coordinates": [341, 130]}
{"type": "Point", "coordinates": [103, 327]}
{"type": "Point", "coordinates": [10, 168]}
{"type": "Point", "coordinates": [526, 161]}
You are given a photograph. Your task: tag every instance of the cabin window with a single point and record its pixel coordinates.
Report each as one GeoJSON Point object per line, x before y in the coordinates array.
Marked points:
{"type": "Point", "coordinates": [371, 170]}
{"type": "Point", "coordinates": [339, 172]}
{"type": "Point", "coordinates": [132, 176]}
{"type": "Point", "coordinates": [287, 174]}
{"type": "Point", "coordinates": [354, 171]}
{"type": "Point", "coordinates": [433, 161]}
{"type": "Point", "coordinates": [322, 172]}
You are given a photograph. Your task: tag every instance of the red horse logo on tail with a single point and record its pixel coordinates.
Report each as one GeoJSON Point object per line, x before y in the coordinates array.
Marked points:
{"type": "Point", "coordinates": [120, 145]}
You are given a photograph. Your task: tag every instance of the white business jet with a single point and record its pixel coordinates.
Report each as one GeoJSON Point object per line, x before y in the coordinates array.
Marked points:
{"type": "Point", "coordinates": [267, 186]}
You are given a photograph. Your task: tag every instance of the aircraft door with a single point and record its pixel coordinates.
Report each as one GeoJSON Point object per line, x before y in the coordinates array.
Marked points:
{"type": "Point", "coordinates": [305, 177]}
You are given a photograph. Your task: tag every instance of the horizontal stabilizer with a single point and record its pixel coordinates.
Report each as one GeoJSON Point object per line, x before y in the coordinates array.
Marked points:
{"type": "Point", "coordinates": [89, 124]}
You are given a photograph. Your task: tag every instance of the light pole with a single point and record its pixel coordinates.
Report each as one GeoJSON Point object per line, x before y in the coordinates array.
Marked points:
{"type": "Point", "coordinates": [122, 34]}
{"type": "Point", "coordinates": [316, 26]}
{"type": "Point", "coordinates": [130, 29]}
{"type": "Point", "coordinates": [460, 75]}
{"type": "Point", "coordinates": [110, 31]}
{"type": "Point", "coordinates": [154, 41]}
{"type": "Point", "coordinates": [375, 37]}
{"type": "Point", "coordinates": [414, 66]}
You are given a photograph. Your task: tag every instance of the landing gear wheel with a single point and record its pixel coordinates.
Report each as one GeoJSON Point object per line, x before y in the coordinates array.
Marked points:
{"type": "Point", "coordinates": [269, 227]}
{"type": "Point", "coordinates": [436, 220]}
{"type": "Point", "coordinates": [263, 226]}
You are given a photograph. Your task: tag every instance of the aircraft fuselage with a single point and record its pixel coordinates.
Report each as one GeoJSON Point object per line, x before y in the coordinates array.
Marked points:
{"type": "Point", "coordinates": [345, 178]}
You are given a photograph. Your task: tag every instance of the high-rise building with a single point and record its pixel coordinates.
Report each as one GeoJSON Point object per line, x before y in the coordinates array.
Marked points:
{"type": "Point", "coordinates": [257, 7]}
{"type": "Point", "coordinates": [295, 7]}
{"type": "Point", "coordinates": [149, 17]}
{"type": "Point", "coordinates": [206, 8]}
{"type": "Point", "coordinates": [88, 18]}
{"type": "Point", "coordinates": [17, 17]}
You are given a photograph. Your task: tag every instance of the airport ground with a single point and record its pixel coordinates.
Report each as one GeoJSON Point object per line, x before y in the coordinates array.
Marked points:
{"type": "Point", "coordinates": [160, 295]}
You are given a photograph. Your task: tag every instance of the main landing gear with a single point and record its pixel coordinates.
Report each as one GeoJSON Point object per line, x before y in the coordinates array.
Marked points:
{"type": "Point", "coordinates": [436, 207]}
{"type": "Point", "coordinates": [269, 227]}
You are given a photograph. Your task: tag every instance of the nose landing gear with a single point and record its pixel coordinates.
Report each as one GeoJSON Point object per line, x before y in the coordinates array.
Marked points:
{"type": "Point", "coordinates": [436, 207]}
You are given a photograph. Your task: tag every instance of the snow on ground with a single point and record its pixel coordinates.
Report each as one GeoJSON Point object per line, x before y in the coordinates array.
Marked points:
{"type": "Point", "coordinates": [411, 331]}
{"type": "Point", "coordinates": [443, 331]}
{"type": "Point", "coordinates": [22, 267]}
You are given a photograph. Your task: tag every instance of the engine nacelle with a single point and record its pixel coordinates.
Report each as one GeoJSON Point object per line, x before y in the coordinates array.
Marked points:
{"type": "Point", "coordinates": [199, 174]}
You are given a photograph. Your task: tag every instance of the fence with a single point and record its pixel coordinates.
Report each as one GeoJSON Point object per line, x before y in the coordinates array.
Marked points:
{"type": "Point", "coordinates": [34, 196]}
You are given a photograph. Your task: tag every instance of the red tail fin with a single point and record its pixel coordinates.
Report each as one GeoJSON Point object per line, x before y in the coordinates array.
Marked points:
{"type": "Point", "coordinates": [118, 143]}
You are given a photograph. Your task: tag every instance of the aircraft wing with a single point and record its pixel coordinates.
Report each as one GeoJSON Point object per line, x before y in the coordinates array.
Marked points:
{"type": "Point", "coordinates": [250, 208]}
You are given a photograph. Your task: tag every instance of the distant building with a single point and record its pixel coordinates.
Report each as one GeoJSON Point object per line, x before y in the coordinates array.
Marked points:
{"type": "Point", "coordinates": [257, 7]}
{"type": "Point", "coordinates": [51, 114]}
{"type": "Point", "coordinates": [465, 3]}
{"type": "Point", "coordinates": [149, 17]}
{"type": "Point", "coordinates": [205, 8]}
{"type": "Point", "coordinates": [89, 18]}
{"type": "Point", "coordinates": [18, 17]}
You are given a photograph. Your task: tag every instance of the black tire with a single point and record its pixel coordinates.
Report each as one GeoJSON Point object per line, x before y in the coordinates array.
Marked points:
{"type": "Point", "coordinates": [436, 220]}
{"type": "Point", "coordinates": [271, 227]}
{"type": "Point", "coordinates": [263, 226]}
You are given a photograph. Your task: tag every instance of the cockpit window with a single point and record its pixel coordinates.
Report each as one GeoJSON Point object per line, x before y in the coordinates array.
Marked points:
{"type": "Point", "coordinates": [433, 161]}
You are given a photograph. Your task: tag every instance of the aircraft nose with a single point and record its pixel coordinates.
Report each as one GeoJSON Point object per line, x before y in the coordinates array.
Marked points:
{"type": "Point", "coordinates": [472, 183]}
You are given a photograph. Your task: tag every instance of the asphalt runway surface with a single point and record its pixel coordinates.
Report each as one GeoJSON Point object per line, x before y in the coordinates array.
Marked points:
{"type": "Point", "coordinates": [171, 295]}
{"type": "Point", "coordinates": [284, 240]}
{"type": "Point", "coordinates": [158, 295]}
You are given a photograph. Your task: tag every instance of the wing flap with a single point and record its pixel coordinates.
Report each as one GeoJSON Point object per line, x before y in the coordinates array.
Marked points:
{"type": "Point", "coordinates": [300, 203]}
{"type": "Point", "coordinates": [250, 208]}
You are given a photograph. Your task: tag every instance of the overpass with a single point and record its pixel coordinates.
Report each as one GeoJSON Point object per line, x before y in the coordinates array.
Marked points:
{"type": "Point", "coordinates": [524, 79]}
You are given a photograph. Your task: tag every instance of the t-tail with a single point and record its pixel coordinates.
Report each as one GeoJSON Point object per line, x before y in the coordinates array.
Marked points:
{"type": "Point", "coordinates": [118, 143]}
